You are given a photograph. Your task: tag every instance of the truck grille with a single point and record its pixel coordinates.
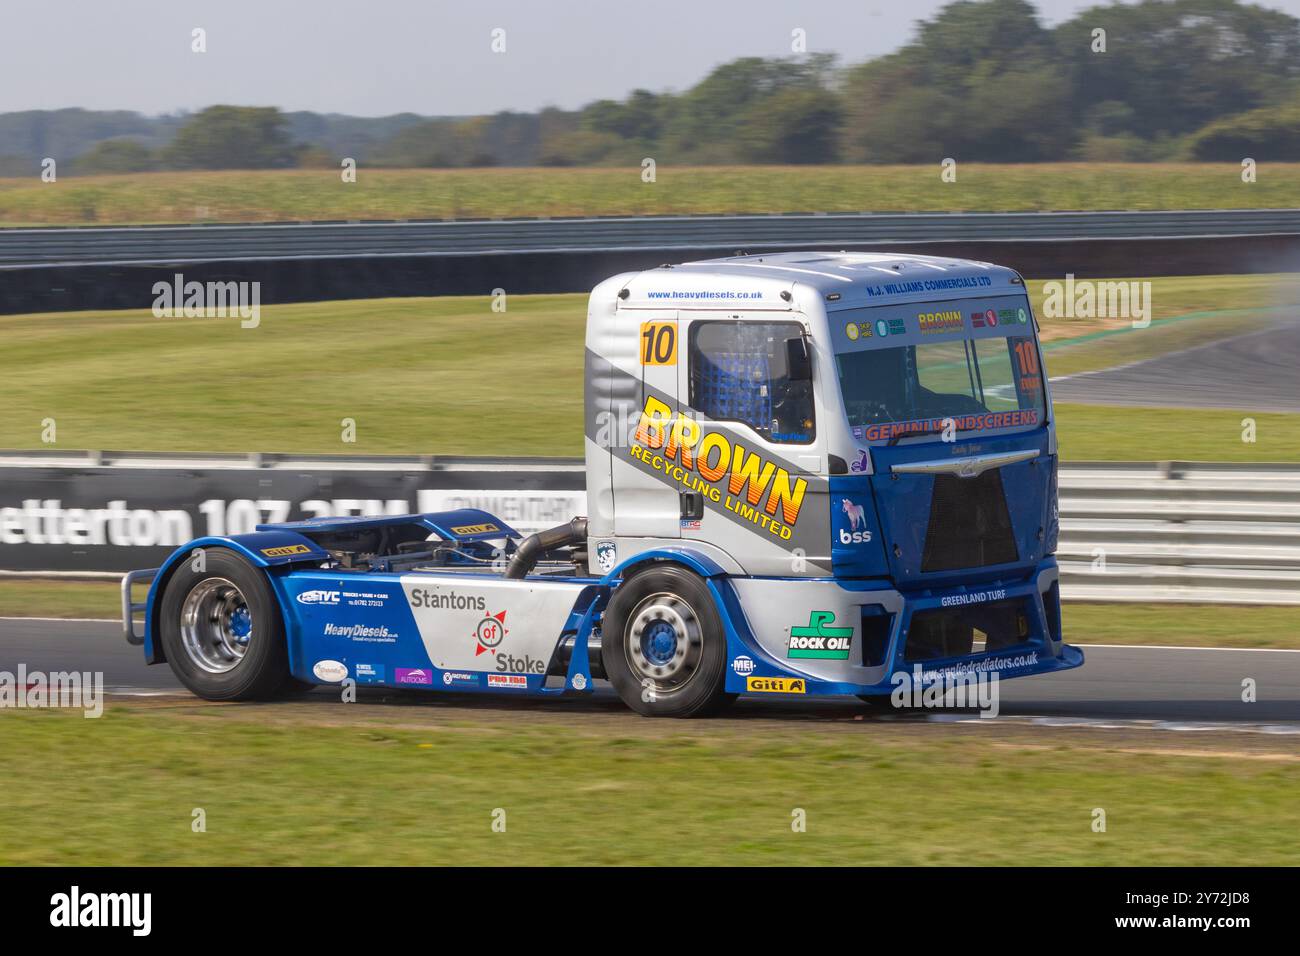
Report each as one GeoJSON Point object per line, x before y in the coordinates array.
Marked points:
{"type": "Point", "coordinates": [964, 631]}
{"type": "Point", "coordinates": [969, 524]}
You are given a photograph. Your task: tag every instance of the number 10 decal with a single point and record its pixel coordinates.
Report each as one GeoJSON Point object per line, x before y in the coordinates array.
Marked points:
{"type": "Point", "coordinates": [1027, 356]}
{"type": "Point", "coordinates": [658, 343]}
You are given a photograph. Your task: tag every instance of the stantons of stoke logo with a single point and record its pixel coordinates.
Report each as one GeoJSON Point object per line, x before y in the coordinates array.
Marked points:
{"type": "Point", "coordinates": [491, 631]}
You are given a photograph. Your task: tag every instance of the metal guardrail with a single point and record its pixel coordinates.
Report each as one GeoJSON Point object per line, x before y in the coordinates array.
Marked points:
{"type": "Point", "coordinates": [1148, 532]}
{"type": "Point", "coordinates": [172, 245]}
{"type": "Point", "coordinates": [1180, 532]}
{"type": "Point", "coordinates": [46, 458]}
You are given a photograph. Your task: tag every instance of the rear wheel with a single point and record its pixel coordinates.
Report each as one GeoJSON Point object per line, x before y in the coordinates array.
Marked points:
{"type": "Point", "coordinates": [664, 646]}
{"type": "Point", "coordinates": [221, 629]}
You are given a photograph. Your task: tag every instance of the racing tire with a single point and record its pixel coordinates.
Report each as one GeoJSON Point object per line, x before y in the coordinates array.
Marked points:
{"type": "Point", "coordinates": [664, 646]}
{"type": "Point", "coordinates": [222, 632]}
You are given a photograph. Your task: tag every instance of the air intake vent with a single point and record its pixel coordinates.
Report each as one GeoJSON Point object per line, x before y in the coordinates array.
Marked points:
{"type": "Point", "coordinates": [969, 524]}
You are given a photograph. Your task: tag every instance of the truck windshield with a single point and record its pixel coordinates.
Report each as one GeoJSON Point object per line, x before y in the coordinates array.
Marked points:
{"type": "Point", "coordinates": [905, 370]}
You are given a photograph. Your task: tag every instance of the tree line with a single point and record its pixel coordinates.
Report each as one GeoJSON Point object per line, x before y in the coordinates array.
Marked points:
{"type": "Point", "coordinates": [982, 81]}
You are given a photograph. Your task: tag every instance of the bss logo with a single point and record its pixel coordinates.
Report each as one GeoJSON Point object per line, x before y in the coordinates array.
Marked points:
{"type": "Point", "coordinates": [854, 537]}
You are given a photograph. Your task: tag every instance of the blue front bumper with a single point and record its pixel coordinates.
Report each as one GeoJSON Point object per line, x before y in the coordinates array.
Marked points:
{"type": "Point", "coordinates": [761, 613]}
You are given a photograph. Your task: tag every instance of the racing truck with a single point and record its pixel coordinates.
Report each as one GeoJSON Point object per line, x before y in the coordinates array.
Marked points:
{"type": "Point", "coordinates": [806, 473]}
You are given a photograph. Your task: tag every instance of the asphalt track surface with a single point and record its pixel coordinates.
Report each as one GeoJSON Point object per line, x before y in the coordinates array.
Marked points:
{"type": "Point", "coordinates": [1258, 371]}
{"type": "Point", "coordinates": [1129, 683]}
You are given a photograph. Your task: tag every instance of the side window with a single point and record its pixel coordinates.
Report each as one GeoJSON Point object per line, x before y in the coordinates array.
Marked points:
{"type": "Point", "coordinates": [738, 373]}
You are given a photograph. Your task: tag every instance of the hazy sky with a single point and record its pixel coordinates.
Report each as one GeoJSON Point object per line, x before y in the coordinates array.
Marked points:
{"type": "Point", "coordinates": [372, 57]}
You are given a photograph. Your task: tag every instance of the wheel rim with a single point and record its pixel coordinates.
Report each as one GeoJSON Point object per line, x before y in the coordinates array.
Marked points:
{"type": "Point", "coordinates": [216, 626]}
{"type": "Point", "coordinates": [664, 642]}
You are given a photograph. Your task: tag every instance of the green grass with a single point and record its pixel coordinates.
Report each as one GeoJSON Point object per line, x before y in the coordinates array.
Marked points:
{"type": "Point", "coordinates": [294, 195]}
{"type": "Point", "coordinates": [25, 597]}
{"type": "Point", "coordinates": [450, 376]}
{"type": "Point", "coordinates": [1181, 625]}
{"type": "Point", "coordinates": [1124, 433]}
{"type": "Point", "coordinates": [278, 790]}
{"type": "Point", "coordinates": [445, 376]}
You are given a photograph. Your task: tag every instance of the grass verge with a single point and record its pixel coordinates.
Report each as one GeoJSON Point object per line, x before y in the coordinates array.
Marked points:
{"type": "Point", "coordinates": [27, 597]}
{"type": "Point", "coordinates": [1177, 624]}
{"type": "Point", "coordinates": [277, 787]}
{"type": "Point", "coordinates": [294, 195]}
{"type": "Point", "coordinates": [1124, 433]}
{"type": "Point", "coordinates": [449, 376]}
{"type": "Point", "coordinates": [1181, 625]}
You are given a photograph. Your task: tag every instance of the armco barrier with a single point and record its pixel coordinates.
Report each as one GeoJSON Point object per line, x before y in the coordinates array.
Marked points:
{"type": "Point", "coordinates": [1180, 531]}
{"type": "Point", "coordinates": [68, 269]}
{"type": "Point", "coordinates": [161, 245]}
{"type": "Point", "coordinates": [1150, 532]}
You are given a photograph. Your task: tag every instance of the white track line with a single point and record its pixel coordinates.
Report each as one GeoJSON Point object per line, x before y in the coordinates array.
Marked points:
{"type": "Point", "coordinates": [77, 620]}
{"type": "Point", "coordinates": [1183, 647]}
{"type": "Point", "coordinates": [1279, 728]}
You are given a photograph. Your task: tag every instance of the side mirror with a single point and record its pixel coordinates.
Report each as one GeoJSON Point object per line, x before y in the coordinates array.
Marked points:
{"type": "Point", "coordinates": [798, 362]}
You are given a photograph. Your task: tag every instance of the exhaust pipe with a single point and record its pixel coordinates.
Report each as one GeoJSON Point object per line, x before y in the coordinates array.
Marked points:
{"type": "Point", "coordinates": [535, 545]}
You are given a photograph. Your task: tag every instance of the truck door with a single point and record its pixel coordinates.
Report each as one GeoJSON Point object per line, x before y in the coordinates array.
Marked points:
{"type": "Point", "coordinates": [647, 501]}
{"type": "Point", "coordinates": [771, 513]}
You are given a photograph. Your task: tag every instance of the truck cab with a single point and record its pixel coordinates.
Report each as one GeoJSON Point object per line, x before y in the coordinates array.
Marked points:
{"type": "Point", "coordinates": [863, 443]}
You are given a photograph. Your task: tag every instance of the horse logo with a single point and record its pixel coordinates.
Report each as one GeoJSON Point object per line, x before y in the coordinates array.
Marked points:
{"type": "Point", "coordinates": [856, 513]}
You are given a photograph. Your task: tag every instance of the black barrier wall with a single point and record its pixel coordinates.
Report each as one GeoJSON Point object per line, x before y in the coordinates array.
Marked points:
{"type": "Point", "coordinates": [69, 519]}
{"type": "Point", "coordinates": [88, 286]}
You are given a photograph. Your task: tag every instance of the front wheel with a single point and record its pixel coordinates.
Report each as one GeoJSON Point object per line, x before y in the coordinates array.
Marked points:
{"type": "Point", "coordinates": [221, 629]}
{"type": "Point", "coordinates": [664, 646]}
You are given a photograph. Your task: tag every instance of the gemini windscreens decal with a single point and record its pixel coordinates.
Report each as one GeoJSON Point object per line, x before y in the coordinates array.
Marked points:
{"type": "Point", "coordinates": [736, 478]}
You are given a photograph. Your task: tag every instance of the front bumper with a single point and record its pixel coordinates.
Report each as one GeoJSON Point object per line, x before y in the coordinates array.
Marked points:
{"type": "Point", "coordinates": [129, 606]}
{"type": "Point", "coordinates": [771, 620]}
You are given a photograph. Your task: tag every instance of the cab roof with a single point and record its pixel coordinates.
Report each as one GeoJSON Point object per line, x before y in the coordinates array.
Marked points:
{"type": "Point", "coordinates": [844, 279]}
